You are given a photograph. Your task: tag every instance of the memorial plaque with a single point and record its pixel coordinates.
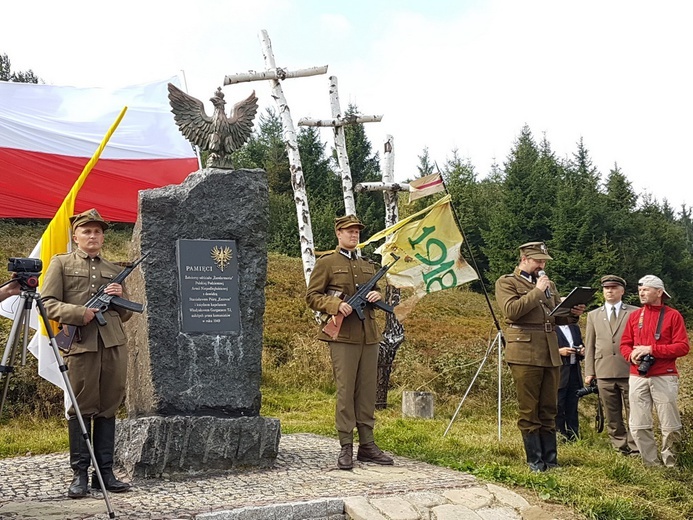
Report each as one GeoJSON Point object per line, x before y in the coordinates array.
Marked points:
{"type": "Point", "coordinates": [208, 281]}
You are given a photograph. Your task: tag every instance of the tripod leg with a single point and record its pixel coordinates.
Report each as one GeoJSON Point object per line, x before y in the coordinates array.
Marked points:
{"type": "Point", "coordinates": [10, 353]}
{"type": "Point", "coordinates": [79, 457]}
{"type": "Point", "coordinates": [73, 399]}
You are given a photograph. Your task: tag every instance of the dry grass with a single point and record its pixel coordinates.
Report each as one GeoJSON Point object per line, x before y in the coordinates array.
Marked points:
{"type": "Point", "coordinates": [447, 337]}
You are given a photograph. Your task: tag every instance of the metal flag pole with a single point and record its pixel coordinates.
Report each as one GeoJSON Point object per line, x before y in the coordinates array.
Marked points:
{"type": "Point", "coordinates": [499, 339]}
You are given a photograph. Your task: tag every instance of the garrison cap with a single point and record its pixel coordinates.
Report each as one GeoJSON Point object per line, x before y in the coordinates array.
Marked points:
{"type": "Point", "coordinates": [609, 280]}
{"type": "Point", "coordinates": [653, 281]}
{"type": "Point", "coordinates": [91, 215]}
{"type": "Point", "coordinates": [535, 250]}
{"type": "Point", "coordinates": [346, 222]}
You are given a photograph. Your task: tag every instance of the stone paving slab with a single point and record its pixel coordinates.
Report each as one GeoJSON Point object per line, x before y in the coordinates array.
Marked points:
{"type": "Point", "coordinates": [303, 484]}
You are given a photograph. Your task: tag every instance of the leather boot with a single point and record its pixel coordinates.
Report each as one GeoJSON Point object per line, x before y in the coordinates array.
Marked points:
{"type": "Point", "coordinates": [549, 453]}
{"type": "Point", "coordinates": [104, 444]}
{"type": "Point", "coordinates": [370, 452]}
{"type": "Point", "coordinates": [533, 451]}
{"type": "Point", "coordinates": [346, 457]}
{"type": "Point", "coordinates": [79, 458]}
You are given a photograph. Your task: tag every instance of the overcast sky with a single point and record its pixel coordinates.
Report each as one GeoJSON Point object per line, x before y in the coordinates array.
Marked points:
{"type": "Point", "coordinates": [454, 74]}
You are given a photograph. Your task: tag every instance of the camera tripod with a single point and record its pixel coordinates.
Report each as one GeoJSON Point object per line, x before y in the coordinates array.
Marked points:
{"type": "Point", "coordinates": [27, 297]}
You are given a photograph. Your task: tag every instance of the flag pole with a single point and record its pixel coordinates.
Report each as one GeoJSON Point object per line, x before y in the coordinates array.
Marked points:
{"type": "Point", "coordinates": [471, 255]}
{"type": "Point", "coordinates": [499, 334]}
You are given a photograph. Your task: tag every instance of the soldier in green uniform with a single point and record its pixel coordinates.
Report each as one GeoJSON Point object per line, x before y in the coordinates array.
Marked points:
{"type": "Point", "coordinates": [97, 361]}
{"type": "Point", "coordinates": [354, 352]}
{"type": "Point", "coordinates": [526, 297]}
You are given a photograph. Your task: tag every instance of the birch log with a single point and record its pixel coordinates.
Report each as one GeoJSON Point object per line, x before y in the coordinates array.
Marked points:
{"type": "Point", "coordinates": [277, 73]}
{"type": "Point", "coordinates": [305, 228]}
{"type": "Point", "coordinates": [393, 335]}
{"type": "Point", "coordinates": [340, 146]}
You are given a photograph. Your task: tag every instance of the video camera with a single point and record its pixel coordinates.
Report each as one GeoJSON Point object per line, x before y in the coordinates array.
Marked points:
{"type": "Point", "coordinates": [592, 389]}
{"type": "Point", "coordinates": [26, 271]}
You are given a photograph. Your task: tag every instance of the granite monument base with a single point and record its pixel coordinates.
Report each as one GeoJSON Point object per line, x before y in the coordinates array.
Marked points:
{"type": "Point", "coordinates": [152, 447]}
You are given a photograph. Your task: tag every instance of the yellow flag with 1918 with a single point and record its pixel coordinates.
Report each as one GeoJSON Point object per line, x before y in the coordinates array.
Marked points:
{"type": "Point", "coordinates": [429, 244]}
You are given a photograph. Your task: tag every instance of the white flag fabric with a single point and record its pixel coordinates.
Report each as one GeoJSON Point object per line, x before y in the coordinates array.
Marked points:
{"type": "Point", "coordinates": [56, 239]}
{"type": "Point", "coordinates": [47, 133]}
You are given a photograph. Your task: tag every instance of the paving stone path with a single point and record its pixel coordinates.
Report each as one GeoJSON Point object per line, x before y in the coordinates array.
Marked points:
{"type": "Point", "coordinates": [304, 484]}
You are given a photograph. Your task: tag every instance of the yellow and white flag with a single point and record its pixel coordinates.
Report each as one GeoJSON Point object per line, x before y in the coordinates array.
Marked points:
{"type": "Point", "coordinates": [429, 246]}
{"type": "Point", "coordinates": [55, 240]}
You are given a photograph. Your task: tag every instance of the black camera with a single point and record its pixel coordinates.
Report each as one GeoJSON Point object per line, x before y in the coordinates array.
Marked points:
{"type": "Point", "coordinates": [27, 271]}
{"type": "Point", "coordinates": [592, 389]}
{"type": "Point", "coordinates": [646, 363]}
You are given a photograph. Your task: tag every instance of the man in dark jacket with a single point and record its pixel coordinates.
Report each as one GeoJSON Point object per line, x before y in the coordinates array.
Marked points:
{"type": "Point", "coordinates": [572, 352]}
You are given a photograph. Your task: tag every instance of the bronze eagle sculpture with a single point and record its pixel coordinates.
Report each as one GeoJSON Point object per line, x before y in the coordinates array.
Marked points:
{"type": "Point", "coordinates": [219, 134]}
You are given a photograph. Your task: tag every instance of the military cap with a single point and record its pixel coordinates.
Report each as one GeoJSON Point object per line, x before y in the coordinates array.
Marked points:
{"type": "Point", "coordinates": [91, 215]}
{"type": "Point", "coordinates": [346, 222]}
{"type": "Point", "coordinates": [653, 281]}
{"type": "Point", "coordinates": [609, 280]}
{"type": "Point", "coordinates": [535, 250]}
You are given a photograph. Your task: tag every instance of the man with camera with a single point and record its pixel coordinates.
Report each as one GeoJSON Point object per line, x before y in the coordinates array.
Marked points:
{"type": "Point", "coordinates": [97, 359]}
{"type": "Point", "coordinates": [604, 362]}
{"type": "Point", "coordinates": [572, 352]}
{"type": "Point", "coordinates": [652, 340]}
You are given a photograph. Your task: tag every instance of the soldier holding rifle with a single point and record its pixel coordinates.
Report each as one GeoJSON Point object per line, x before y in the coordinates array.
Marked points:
{"type": "Point", "coordinates": [97, 359]}
{"type": "Point", "coordinates": [354, 347]}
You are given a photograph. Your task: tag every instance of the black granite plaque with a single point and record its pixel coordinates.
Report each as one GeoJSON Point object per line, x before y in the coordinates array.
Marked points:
{"type": "Point", "coordinates": [208, 281]}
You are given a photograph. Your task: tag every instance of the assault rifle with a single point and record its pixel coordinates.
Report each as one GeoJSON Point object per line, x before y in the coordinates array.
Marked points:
{"type": "Point", "coordinates": [358, 302]}
{"type": "Point", "coordinates": [102, 302]}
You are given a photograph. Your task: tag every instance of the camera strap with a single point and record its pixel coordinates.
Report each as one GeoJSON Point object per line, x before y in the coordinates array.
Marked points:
{"type": "Point", "coordinates": [660, 321]}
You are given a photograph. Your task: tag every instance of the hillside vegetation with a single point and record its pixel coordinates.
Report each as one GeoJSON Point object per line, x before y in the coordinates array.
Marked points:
{"type": "Point", "coordinates": [447, 337]}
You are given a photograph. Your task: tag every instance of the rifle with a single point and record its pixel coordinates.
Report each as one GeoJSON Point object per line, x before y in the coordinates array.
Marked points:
{"type": "Point", "coordinates": [102, 302]}
{"type": "Point", "coordinates": [358, 302]}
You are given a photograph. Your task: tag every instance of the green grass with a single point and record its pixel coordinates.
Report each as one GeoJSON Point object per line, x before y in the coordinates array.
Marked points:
{"type": "Point", "coordinates": [446, 338]}
{"type": "Point", "coordinates": [27, 435]}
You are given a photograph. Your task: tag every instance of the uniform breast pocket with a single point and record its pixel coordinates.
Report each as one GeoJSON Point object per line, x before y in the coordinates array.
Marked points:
{"type": "Point", "coordinates": [368, 270]}
{"type": "Point", "coordinates": [107, 278]}
{"type": "Point", "coordinates": [76, 280]}
{"type": "Point", "coordinates": [340, 272]}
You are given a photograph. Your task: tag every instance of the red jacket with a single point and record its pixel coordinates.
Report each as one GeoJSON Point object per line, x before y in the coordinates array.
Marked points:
{"type": "Point", "coordinates": [673, 342]}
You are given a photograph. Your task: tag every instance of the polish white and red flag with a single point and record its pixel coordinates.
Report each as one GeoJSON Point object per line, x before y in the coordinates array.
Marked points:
{"type": "Point", "coordinates": [425, 186]}
{"type": "Point", "coordinates": [48, 133]}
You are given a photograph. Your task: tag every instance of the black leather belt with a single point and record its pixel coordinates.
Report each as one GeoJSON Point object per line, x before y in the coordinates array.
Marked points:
{"type": "Point", "coordinates": [546, 327]}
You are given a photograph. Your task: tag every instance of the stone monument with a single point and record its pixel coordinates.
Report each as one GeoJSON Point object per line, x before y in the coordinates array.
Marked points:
{"type": "Point", "coordinates": [195, 352]}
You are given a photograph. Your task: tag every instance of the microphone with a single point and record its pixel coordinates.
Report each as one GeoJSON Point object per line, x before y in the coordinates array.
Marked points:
{"type": "Point", "coordinates": [547, 292]}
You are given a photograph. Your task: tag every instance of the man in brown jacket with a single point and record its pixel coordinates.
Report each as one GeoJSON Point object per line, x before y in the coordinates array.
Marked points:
{"type": "Point", "coordinates": [603, 360]}
{"type": "Point", "coordinates": [526, 297]}
{"type": "Point", "coordinates": [97, 361]}
{"type": "Point", "coordinates": [354, 352]}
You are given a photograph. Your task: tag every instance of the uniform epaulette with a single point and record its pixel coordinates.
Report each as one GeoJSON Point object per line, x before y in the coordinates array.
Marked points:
{"type": "Point", "coordinates": [509, 275]}
{"type": "Point", "coordinates": [320, 254]}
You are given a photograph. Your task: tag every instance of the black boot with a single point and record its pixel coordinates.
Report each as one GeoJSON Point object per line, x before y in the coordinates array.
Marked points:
{"type": "Point", "coordinates": [533, 451]}
{"type": "Point", "coordinates": [104, 444]}
{"type": "Point", "coordinates": [79, 458]}
{"type": "Point", "coordinates": [548, 449]}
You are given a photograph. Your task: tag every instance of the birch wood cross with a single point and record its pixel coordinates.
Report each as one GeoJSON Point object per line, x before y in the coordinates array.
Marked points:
{"type": "Point", "coordinates": [393, 335]}
{"type": "Point", "coordinates": [338, 122]}
{"type": "Point", "coordinates": [274, 75]}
